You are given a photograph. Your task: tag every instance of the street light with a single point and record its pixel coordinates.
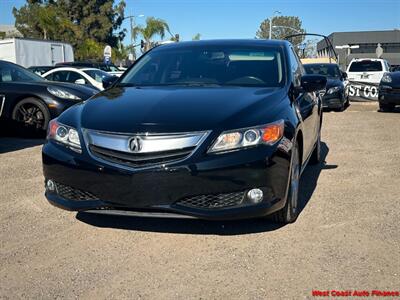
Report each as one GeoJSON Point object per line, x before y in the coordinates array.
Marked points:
{"type": "Point", "coordinates": [287, 27]}
{"type": "Point", "coordinates": [277, 12]}
{"type": "Point", "coordinates": [132, 19]}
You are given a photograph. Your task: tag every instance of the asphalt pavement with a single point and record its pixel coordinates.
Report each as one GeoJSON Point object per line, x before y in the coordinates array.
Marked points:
{"type": "Point", "coordinates": [347, 236]}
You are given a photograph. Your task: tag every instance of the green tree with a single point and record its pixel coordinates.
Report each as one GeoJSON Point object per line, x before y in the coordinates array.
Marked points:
{"type": "Point", "coordinates": [42, 20]}
{"type": "Point", "coordinates": [121, 52]}
{"type": "Point", "coordinates": [99, 20]}
{"type": "Point", "coordinates": [154, 27]}
{"type": "Point", "coordinates": [79, 22]}
{"type": "Point", "coordinates": [196, 37]}
{"type": "Point", "coordinates": [89, 49]}
{"type": "Point", "coordinates": [282, 26]}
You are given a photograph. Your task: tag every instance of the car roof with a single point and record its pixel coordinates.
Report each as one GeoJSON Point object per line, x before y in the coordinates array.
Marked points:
{"type": "Point", "coordinates": [321, 64]}
{"type": "Point", "coordinates": [226, 42]}
{"type": "Point", "coordinates": [72, 69]}
{"type": "Point", "coordinates": [42, 67]}
{"type": "Point", "coordinates": [362, 59]}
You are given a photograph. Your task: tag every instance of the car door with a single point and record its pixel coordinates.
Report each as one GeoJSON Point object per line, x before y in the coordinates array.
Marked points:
{"type": "Point", "coordinates": [8, 89]}
{"type": "Point", "coordinates": [11, 89]}
{"type": "Point", "coordinates": [307, 104]}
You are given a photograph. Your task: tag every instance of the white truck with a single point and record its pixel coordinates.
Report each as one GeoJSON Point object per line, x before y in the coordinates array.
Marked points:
{"type": "Point", "coordinates": [31, 52]}
{"type": "Point", "coordinates": [369, 70]}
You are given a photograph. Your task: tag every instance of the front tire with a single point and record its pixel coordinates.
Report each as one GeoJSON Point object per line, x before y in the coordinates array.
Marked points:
{"type": "Point", "coordinates": [289, 213]}
{"type": "Point", "coordinates": [31, 113]}
{"type": "Point", "coordinates": [386, 107]}
{"type": "Point", "coordinates": [315, 158]}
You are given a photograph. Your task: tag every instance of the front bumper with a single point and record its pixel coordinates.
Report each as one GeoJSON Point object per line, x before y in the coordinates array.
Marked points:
{"type": "Point", "coordinates": [332, 101]}
{"type": "Point", "coordinates": [166, 189]}
{"type": "Point", "coordinates": [389, 96]}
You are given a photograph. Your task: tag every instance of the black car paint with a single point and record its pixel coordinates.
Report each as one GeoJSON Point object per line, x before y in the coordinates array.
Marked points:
{"type": "Point", "coordinates": [338, 99]}
{"type": "Point", "coordinates": [389, 92]}
{"type": "Point", "coordinates": [168, 110]}
{"type": "Point", "coordinates": [12, 92]}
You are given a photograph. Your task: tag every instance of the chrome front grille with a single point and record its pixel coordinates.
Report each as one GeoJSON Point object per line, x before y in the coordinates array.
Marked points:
{"type": "Point", "coordinates": [212, 201]}
{"type": "Point", "coordinates": [143, 149]}
{"type": "Point", "coordinates": [140, 159]}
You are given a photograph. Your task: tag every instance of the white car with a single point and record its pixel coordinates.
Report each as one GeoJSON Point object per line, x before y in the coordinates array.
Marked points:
{"type": "Point", "coordinates": [369, 70]}
{"type": "Point", "coordinates": [88, 76]}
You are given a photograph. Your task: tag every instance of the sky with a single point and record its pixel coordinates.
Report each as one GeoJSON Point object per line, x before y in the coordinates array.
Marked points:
{"type": "Point", "coordinates": [241, 18]}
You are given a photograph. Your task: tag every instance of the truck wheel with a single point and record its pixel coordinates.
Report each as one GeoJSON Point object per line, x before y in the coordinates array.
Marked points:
{"type": "Point", "coordinates": [32, 114]}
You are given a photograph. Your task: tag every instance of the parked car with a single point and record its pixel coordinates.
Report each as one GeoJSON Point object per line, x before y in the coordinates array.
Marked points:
{"type": "Point", "coordinates": [40, 70]}
{"type": "Point", "coordinates": [206, 129]}
{"type": "Point", "coordinates": [109, 68]}
{"type": "Point", "coordinates": [389, 91]}
{"type": "Point", "coordinates": [335, 96]}
{"type": "Point", "coordinates": [86, 76]}
{"type": "Point", "coordinates": [368, 70]}
{"type": "Point", "coordinates": [33, 101]}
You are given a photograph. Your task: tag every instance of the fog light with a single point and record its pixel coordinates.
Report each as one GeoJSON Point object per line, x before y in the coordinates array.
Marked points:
{"type": "Point", "coordinates": [50, 185]}
{"type": "Point", "coordinates": [255, 195]}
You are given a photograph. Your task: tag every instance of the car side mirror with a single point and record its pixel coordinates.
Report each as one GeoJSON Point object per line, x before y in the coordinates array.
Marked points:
{"type": "Point", "coordinates": [109, 81]}
{"type": "Point", "coordinates": [80, 81]}
{"type": "Point", "coordinates": [344, 75]}
{"type": "Point", "coordinates": [312, 83]}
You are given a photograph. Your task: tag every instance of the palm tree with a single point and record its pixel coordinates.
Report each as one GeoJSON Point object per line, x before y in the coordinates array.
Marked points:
{"type": "Point", "coordinates": [196, 37]}
{"type": "Point", "coordinates": [154, 26]}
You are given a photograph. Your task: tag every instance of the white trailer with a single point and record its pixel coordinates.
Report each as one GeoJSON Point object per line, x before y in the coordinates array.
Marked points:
{"type": "Point", "coordinates": [31, 52]}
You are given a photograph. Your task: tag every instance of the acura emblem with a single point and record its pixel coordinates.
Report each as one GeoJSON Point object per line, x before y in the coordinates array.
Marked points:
{"type": "Point", "coordinates": [135, 144]}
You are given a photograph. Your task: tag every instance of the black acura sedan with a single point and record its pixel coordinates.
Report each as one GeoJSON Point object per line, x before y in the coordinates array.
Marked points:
{"type": "Point", "coordinates": [335, 96]}
{"type": "Point", "coordinates": [389, 91]}
{"type": "Point", "coordinates": [31, 100]}
{"type": "Point", "coordinates": [205, 129]}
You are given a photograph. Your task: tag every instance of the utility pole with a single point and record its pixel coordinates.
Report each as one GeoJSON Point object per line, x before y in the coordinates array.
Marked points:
{"type": "Point", "coordinates": [277, 12]}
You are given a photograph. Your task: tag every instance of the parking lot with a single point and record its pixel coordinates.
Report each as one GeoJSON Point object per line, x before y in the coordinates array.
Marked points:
{"type": "Point", "coordinates": [347, 236]}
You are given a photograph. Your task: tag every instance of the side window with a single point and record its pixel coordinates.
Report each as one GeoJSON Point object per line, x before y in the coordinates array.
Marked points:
{"type": "Point", "coordinates": [74, 76]}
{"type": "Point", "coordinates": [296, 67]}
{"type": "Point", "coordinates": [50, 77]}
{"type": "Point", "coordinates": [60, 76]}
{"type": "Point", "coordinates": [5, 75]}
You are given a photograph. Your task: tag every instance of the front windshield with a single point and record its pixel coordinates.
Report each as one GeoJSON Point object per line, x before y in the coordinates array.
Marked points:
{"type": "Point", "coordinates": [97, 75]}
{"type": "Point", "coordinates": [109, 68]}
{"type": "Point", "coordinates": [331, 71]}
{"type": "Point", "coordinates": [14, 73]}
{"type": "Point", "coordinates": [258, 66]}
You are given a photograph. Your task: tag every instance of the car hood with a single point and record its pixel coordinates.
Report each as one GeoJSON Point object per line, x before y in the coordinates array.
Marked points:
{"type": "Point", "coordinates": [332, 82]}
{"type": "Point", "coordinates": [180, 109]}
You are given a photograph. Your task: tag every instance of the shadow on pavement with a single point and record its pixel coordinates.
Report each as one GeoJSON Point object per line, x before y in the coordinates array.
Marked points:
{"type": "Point", "coordinates": [14, 139]}
{"type": "Point", "coordinates": [396, 110]}
{"type": "Point", "coordinates": [194, 226]}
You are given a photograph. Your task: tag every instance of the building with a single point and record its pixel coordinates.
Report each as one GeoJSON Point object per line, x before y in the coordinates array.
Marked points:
{"type": "Point", "coordinates": [9, 31]}
{"type": "Point", "coordinates": [367, 41]}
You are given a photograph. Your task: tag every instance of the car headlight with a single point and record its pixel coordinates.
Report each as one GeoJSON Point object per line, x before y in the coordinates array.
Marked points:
{"type": "Point", "coordinates": [242, 138]}
{"type": "Point", "coordinates": [61, 93]}
{"type": "Point", "coordinates": [65, 135]}
{"type": "Point", "coordinates": [386, 78]}
{"type": "Point", "coordinates": [333, 90]}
